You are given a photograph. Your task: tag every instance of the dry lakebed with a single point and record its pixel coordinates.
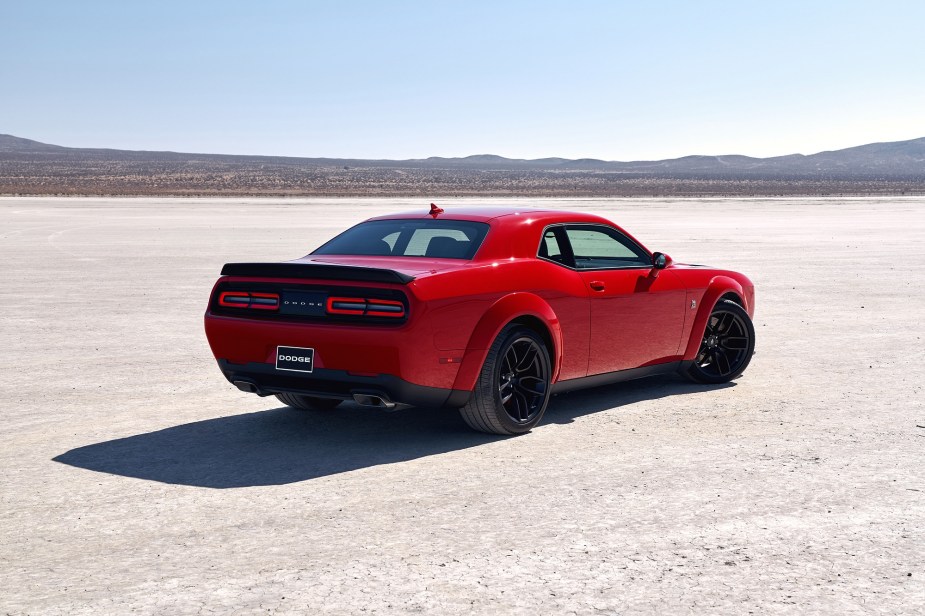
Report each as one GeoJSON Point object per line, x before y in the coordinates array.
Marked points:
{"type": "Point", "coordinates": [135, 479]}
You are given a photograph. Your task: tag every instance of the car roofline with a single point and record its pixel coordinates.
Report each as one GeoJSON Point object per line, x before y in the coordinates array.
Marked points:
{"type": "Point", "coordinates": [491, 213]}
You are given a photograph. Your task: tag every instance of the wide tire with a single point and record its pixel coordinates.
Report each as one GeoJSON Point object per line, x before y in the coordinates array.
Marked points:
{"type": "Point", "coordinates": [727, 345]}
{"type": "Point", "coordinates": [308, 403]}
{"type": "Point", "coordinates": [512, 391]}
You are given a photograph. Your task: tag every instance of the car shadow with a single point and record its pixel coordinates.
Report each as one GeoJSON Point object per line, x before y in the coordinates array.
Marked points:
{"type": "Point", "coordinates": [282, 445]}
{"type": "Point", "coordinates": [565, 408]}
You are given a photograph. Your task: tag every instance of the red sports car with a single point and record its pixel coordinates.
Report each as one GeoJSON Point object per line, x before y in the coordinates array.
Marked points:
{"type": "Point", "coordinates": [486, 309]}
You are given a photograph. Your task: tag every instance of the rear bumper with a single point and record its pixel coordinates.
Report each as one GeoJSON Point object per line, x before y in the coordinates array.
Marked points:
{"type": "Point", "coordinates": [405, 351]}
{"type": "Point", "coordinates": [266, 380]}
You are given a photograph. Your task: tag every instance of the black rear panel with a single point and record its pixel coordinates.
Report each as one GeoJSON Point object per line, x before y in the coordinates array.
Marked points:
{"type": "Point", "coordinates": [307, 302]}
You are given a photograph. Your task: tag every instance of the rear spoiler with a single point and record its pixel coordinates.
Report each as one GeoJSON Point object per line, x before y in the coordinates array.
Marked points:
{"type": "Point", "coordinates": [315, 270]}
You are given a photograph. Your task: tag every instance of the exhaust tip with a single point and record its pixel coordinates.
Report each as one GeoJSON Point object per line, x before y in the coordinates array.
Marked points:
{"type": "Point", "coordinates": [373, 400]}
{"type": "Point", "coordinates": [247, 386]}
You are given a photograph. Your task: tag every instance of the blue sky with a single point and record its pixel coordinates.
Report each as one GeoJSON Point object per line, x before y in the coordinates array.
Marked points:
{"type": "Point", "coordinates": [401, 79]}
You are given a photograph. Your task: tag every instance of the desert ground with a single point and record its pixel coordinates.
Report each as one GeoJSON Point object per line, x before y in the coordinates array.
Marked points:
{"type": "Point", "coordinates": [135, 479]}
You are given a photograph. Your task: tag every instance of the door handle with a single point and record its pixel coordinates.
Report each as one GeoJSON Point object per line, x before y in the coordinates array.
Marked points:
{"type": "Point", "coordinates": [596, 285]}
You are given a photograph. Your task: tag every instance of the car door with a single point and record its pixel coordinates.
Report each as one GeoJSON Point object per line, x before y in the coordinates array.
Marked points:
{"type": "Point", "coordinates": [637, 312]}
{"type": "Point", "coordinates": [566, 293]}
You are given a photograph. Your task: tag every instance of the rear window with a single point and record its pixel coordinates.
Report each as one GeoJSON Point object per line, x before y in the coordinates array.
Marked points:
{"type": "Point", "coordinates": [439, 239]}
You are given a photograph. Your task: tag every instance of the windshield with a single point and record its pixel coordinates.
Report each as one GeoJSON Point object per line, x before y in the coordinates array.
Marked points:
{"type": "Point", "coordinates": [438, 239]}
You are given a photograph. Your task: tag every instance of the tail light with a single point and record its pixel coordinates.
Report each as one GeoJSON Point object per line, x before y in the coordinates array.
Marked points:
{"type": "Point", "coordinates": [246, 299]}
{"type": "Point", "coordinates": [362, 306]}
{"type": "Point", "coordinates": [311, 302]}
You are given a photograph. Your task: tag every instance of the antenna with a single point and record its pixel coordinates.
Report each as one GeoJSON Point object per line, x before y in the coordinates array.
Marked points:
{"type": "Point", "coordinates": [434, 210]}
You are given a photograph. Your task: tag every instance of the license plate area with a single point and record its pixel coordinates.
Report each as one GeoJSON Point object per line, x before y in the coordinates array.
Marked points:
{"type": "Point", "coordinates": [295, 359]}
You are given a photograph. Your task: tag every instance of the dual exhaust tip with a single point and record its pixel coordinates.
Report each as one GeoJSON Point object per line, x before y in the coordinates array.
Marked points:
{"type": "Point", "coordinates": [373, 400]}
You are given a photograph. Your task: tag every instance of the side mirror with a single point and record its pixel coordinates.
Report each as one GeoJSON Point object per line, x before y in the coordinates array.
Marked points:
{"type": "Point", "coordinates": [660, 260]}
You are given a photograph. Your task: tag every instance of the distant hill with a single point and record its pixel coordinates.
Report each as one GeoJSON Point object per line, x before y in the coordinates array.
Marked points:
{"type": "Point", "coordinates": [32, 167]}
{"type": "Point", "coordinates": [16, 145]}
{"type": "Point", "coordinates": [897, 158]}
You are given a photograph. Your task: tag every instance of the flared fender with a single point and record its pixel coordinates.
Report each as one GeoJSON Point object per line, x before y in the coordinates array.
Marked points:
{"type": "Point", "coordinates": [502, 312]}
{"type": "Point", "coordinates": [719, 286]}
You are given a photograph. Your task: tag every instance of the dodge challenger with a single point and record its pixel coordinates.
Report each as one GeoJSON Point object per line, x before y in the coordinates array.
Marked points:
{"type": "Point", "coordinates": [489, 310]}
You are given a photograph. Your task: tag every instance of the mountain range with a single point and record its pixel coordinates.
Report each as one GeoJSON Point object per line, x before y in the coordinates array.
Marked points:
{"type": "Point", "coordinates": [32, 167]}
{"type": "Point", "coordinates": [892, 159]}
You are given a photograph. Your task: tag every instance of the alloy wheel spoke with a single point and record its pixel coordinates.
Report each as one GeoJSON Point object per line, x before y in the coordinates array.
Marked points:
{"type": "Point", "coordinates": [735, 343]}
{"type": "Point", "coordinates": [529, 357]}
{"type": "Point", "coordinates": [725, 322]}
{"type": "Point", "coordinates": [714, 362]}
{"type": "Point", "coordinates": [539, 384]}
{"type": "Point", "coordinates": [523, 405]}
{"type": "Point", "coordinates": [722, 362]}
{"type": "Point", "coordinates": [525, 389]}
{"type": "Point", "coordinates": [511, 358]}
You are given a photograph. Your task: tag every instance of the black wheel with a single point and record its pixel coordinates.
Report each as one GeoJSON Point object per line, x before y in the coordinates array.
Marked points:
{"type": "Point", "coordinates": [727, 346]}
{"type": "Point", "coordinates": [512, 390]}
{"type": "Point", "coordinates": [308, 403]}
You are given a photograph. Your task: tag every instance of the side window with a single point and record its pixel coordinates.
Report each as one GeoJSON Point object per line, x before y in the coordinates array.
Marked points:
{"type": "Point", "coordinates": [597, 247]}
{"type": "Point", "coordinates": [549, 247]}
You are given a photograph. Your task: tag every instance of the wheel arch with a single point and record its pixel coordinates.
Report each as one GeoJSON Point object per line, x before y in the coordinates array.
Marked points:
{"type": "Point", "coordinates": [732, 296]}
{"type": "Point", "coordinates": [719, 289]}
{"type": "Point", "coordinates": [539, 326]}
{"type": "Point", "coordinates": [526, 309]}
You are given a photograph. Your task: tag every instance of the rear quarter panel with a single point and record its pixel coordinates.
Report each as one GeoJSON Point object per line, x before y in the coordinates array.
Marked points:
{"type": "Point", "coordinates": [467, 308]}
